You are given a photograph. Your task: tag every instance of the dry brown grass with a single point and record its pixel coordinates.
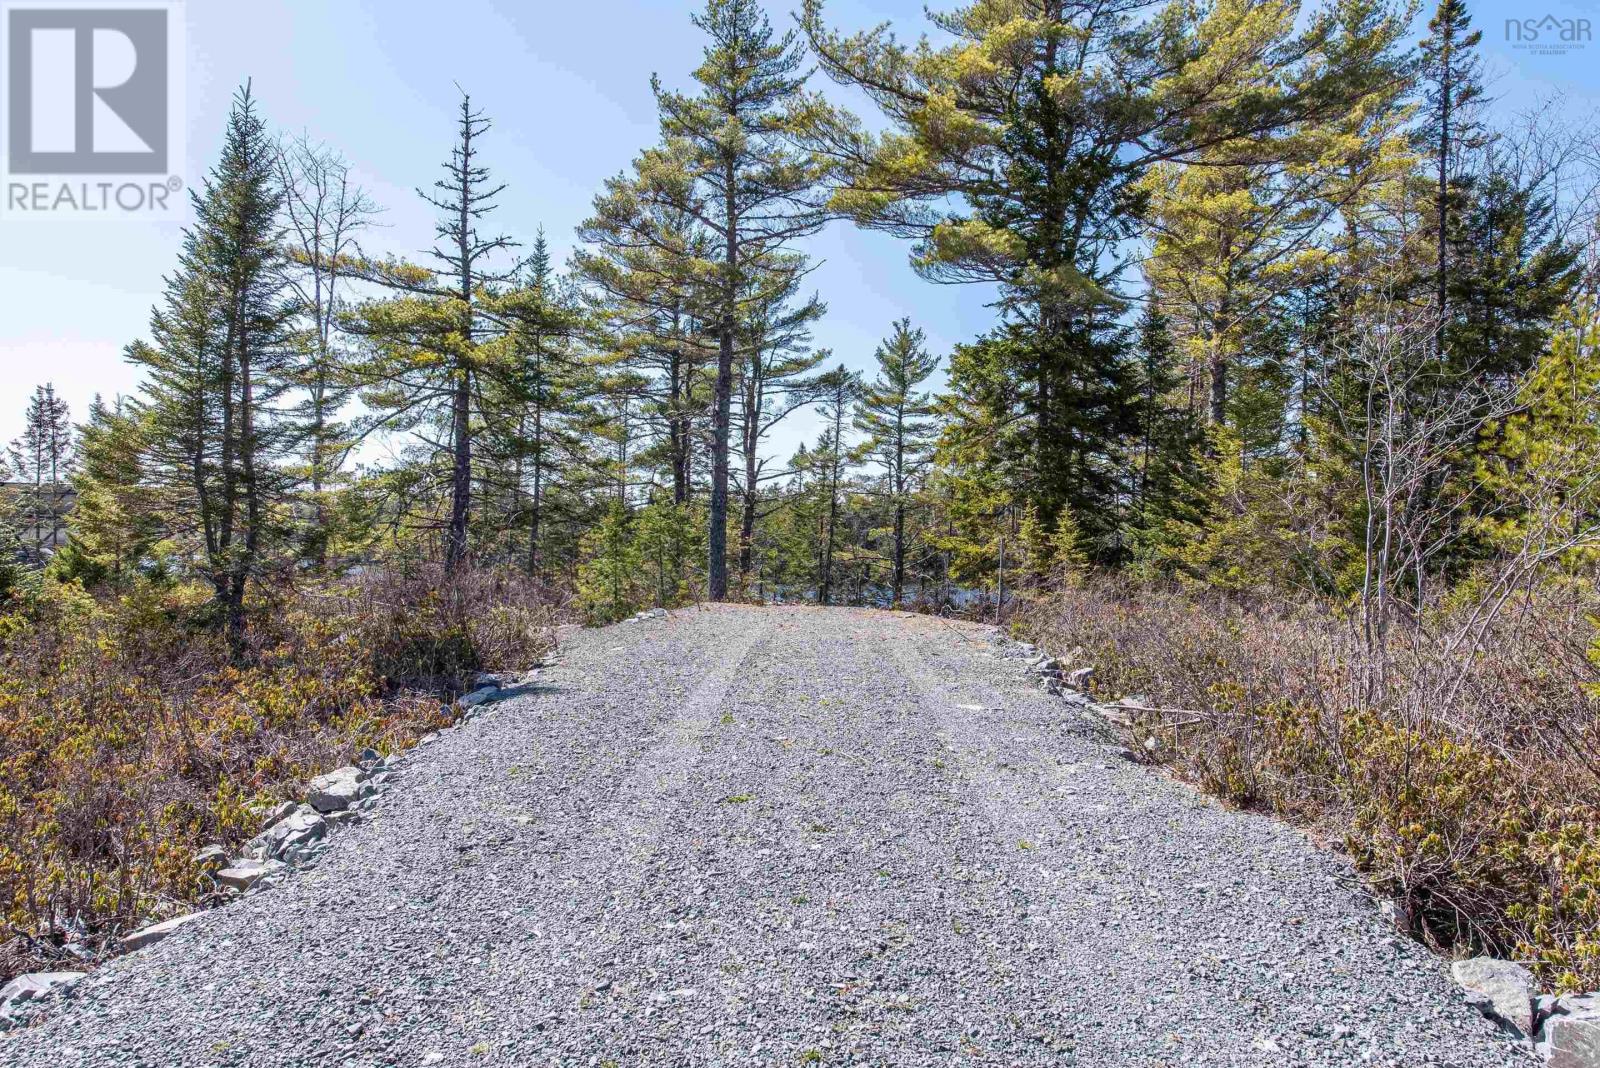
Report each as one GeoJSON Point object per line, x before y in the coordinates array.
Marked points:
{"type": "Point", "coordinates": [1463, 783]}
{"type": "Point", "coordinates": [129, 738]}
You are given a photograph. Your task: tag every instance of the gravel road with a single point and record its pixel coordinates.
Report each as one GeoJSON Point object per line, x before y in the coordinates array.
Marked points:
{"type": "Point", "coordinates": [784, 836]}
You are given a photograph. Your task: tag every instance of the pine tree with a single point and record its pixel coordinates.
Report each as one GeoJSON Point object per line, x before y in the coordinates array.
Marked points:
{"type": "Point", "coordinates": [1539, 468]}
{"type": "Point", "coordinates": [898, 420]}
{"type": "Point", "coordinates": [774, 378]}
{"type": "Point", "coordinates": [325, 213]}
{"type": "Point", "coordinates": [642, 267]}
{"type": "Point", "coordinates": [1016, 154]}
{"type": "Point", "coordinates": [463, 197]}
{"type": "Point", "coordinates": [426, 346]}
{"type": "Point", "coordinates": [729, 159]}
{"type": "Point", "coordinates": [535, 410]}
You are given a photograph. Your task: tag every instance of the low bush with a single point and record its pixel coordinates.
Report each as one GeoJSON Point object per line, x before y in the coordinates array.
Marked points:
{"type": "Point", "coordinates": [130, 737]}
{"type": "Point", "coordinates": [1464, 780]}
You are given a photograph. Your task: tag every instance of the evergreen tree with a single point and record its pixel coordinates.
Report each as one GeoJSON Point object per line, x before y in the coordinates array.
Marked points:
{"type": "Point", "coordinates": [774, 379]}
{"type": "Point", "coordinates": [1511, 276]}
{"type": "Point", "coordinates": [1166, 483]}
{"type": "Point", "coordinates": [222, 354]}
{"type": "Point", "coordinates": [729, 159]}
{"type": "Point", "coordinates": [112, 527]}
{"type": "Point", "coordinates": [463, 197]}
{"type": "Point", "coordinates": [830, 460]}
{"type": "Point", "coordinates": [535, 409]}
{"type": "Point", "coordinates": [898, 420]}
{"type": "Point", "coordinates": [426, 356]}
{"type": "Point", "coordinates": [325, 215]}
{"type": "Point", "coordinates": [645, 284]}
{"type": "Point", "coordinates": [42, 458]}
{"type": "Point", "coordinates": [1016, 154]}
{"type": "Point", "coordinates": [1449, 131]}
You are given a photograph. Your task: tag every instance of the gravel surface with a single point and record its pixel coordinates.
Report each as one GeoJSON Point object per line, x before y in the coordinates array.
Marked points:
{"type": "Point", "coordinates": [784, 836]}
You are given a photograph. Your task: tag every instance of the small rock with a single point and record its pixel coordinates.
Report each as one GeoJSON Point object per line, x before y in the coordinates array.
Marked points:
{"type": "Point", "coordinates": [1078, 678]}
{"type": "Point", "coordinates": [211, 856]}
{"type": "Point", "coordinates": [243, 874]}
{"type": "Point", "coordinates": [279, 813]}
{"type": "Point", "coordinates": [478, 696]}
{"type": "Point", "coordinates": [149, 936]}
{"type": "Point", "coordinates": [35, 985]}
{"type": "Point", "coordinates": [1499, 989]}
{"type": "Point", "coordinates": [335, 790]}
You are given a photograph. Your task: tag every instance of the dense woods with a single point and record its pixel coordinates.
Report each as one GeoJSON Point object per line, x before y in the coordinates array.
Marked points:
{"type": "Point", "coordinates": [1288, 418]}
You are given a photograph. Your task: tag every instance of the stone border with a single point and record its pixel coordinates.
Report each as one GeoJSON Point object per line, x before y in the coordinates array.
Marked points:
{"type": "Point", "coordinates": [295, 837]}
{"type": "Point", "coordinates": [1564, 1030]}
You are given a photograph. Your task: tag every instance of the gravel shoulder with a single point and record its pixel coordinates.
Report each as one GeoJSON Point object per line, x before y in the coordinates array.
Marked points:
{"type": "Point", "coordinates": [784, 836]}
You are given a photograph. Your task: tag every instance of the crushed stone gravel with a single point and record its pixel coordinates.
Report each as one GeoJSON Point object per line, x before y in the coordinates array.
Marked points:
{"type": "Point", "coordinates": [784, 836]}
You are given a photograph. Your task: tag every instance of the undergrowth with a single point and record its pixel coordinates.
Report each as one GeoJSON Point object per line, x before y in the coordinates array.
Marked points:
{"type": "Point", "coordinates": [1463, 783]}
{"type": "Point", "coordinates": [130, 737]}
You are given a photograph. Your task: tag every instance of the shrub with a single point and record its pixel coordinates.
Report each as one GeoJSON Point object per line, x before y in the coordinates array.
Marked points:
{"type": "Point", "coordinates": [129, 737]}
{"type": "Point", "coordinates": [1464, 785]}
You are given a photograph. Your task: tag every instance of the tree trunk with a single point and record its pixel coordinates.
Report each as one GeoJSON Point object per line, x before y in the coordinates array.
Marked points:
{"type": "Point", "coordinates": [899, 552]}
{"type": "Point", "coordinates": [461, 402]}
{"type": "Point", "coordinates": [717, 540]}
{"type": "Point", "coordinates": [1441, 287]}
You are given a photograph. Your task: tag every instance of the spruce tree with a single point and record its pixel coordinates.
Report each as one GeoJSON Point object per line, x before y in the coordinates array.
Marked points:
{"type": "Point", "coordinates": [221, 357]}
{"type": "Point", "coordinates": [42, 458]}
{"type": "Point", "coordinates": [1449, 131]}
{"type": "Point", "coordinates": [830, 460]}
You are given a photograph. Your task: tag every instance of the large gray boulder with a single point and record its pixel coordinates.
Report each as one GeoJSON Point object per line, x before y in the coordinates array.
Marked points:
{"type": "Point", "coordinates": [31, 987]}
{"type": "Point", "coordinates": [481, 695]}
{"type": "Point", "coordinates": [1499, 989]}
{"type": "Point", "coordinates": [337, 790]}
{"type": "Point", "coordinates": [149, 936]}
{"type": "Point", "coordinates": [243, 874]}
{"type": "Point", "coordinates": [302, 827]}
{"type": "Point", "coordinates": [1572, 1041]}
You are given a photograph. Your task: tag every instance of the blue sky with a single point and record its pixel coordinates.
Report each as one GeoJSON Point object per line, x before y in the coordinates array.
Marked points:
{"type": "Point", "coordinates": [567, 86]}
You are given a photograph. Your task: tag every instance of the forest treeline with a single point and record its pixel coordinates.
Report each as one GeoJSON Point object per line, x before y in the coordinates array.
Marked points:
{"type": "Point", "coordinates": [1288, 318]}
{"type": "Point", "coordinates": [1268, 290]}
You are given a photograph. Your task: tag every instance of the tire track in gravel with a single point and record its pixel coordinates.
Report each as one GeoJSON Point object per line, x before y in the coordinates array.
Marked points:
{"type": "Point", "coordinates": [849, 951]}
{"type": "Point", "coordinates": [1193, 926]}
{"type": "Point", "coordinates": [739, 837]}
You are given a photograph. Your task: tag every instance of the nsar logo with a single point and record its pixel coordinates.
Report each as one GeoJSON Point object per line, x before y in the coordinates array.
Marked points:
{"type": "Point", "coordinates": [1548, 35]}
